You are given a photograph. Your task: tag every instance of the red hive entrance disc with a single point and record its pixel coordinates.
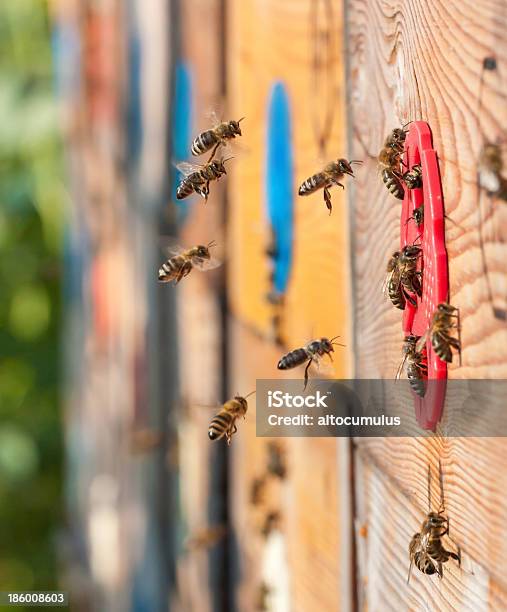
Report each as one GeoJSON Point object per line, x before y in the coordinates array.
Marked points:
{"type": "Point", "coordinates": [435, 281]}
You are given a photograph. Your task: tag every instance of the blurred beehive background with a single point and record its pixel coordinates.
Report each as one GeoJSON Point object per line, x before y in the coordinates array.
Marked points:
{"type": "Point", "coordinates": [297, 524]}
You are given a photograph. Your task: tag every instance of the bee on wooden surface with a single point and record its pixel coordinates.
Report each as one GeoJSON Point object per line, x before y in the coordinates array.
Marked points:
{"type": "Point", "coordinates": [445, 319]}
{"type": "Point", "coordinates": [196, 179]}
{"type": "Point", "coordinates": [206, 538]}
{"type": "Point", "coordinates": [223, 424]}
{"type": "Point", "coordinates": [331, 175]}
{"type": "Point", "coordinates": [417, 368]}
{"type": "Point", "coordinates": [426, 549]}
{"type": "Point", "coordinates": [258, 491]}
{"type": "Point", "coordinates": [410, 277]}
{"type": "Point", "coordinates": [413, 178]}
{"type": "Point", "coordinates": [312, 352]}
{"type": "Point", "coordinates": [390, 162]}
{"type": "Point", "coordinates": [276, 463]}
{"type": "Point", "coordinates": [490, 171]}
{"type": "Point", "coordinates": [183, 261]}
{"type": "Point", "coordinates": [219, 134]}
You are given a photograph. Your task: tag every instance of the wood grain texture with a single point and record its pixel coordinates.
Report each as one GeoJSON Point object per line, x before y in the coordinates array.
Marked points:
{"type": "Point", "coordinates": [406, 61]}
{"type": "Point", "coordinates": [270, 42]}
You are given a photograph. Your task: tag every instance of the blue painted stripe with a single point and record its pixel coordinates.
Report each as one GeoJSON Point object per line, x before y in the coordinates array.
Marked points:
{"type": "Point", "coordinates": [181, 130]}
{"type": "Point", "coordinates": [279, 176]}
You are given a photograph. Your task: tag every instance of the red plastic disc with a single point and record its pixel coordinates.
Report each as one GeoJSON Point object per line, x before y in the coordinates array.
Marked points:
{"type": "Point", "coordinates": [435, 280]}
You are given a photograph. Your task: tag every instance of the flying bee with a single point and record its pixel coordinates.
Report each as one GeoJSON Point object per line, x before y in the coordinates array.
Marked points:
{"type": "Point", "coordinates": [216, 136]}
{"type": "Point", "coordinates": [206, 538]}
{"type": "Point", "coordinates": [331, 175]}
{"type": "Point", "coordinates": [197, 178]}
{"type": "Point", "coordinates": [413, 178]}
{"type": "Point", "coordinates": [490, 171]}
{"type": "Point", "coordinates": [407, 264]}
{"type": "Point", "coordinates": [426, 549]}
{"type": "Point", "coordinates": [223, 424]}
{"type": "Point", "coordinates": [183, 261]}
{"type": "Point", "coordinates": [312, 352]}
{"type": "Point", "coordinates": [417, 369]}
{"type": "Point", "coordinates": [445, 319]}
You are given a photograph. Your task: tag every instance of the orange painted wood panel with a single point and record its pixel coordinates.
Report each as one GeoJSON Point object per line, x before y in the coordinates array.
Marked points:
{"type": "Point", "coordinates": [280, 41]}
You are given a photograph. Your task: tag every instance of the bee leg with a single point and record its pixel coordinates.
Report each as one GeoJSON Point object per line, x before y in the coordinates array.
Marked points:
{"type": "Point", "coordinates": [327, 200]}
{"type": "Point", "coordinates": [408, 297]}
{"type": "Point", "coordinates": [185, 271]}
{"type": "Point", "coordinates": [306, 373]}
{"type": "Point", "coordinates": [440, 570]}
{"type": "Point", "coordinates": [215, 148]}
{"type": "Point", "coordinates": [410, 570]}
{"type": "Point", "coordinates": [206, 192]}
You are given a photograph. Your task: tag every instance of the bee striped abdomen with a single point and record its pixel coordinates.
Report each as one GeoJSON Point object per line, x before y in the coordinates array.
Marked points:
{"type": "Point", "coordinates": [185, 188]}
{"type": "Point", "coordinates": [396, 294]}
{"type": "Point", "coordinates": [171, 268]}
{"type": "Point", "coordinates": [189, 185]}
{"type": "Point", "coordinates": [204, 142]}
{"type": "Point", "coordinates": [219, 425]}
{"type": "Point", "coordinates": [292, 359]}
{"type": "Point", "coordinates": [424, 564]}
{"type": "Point", "coordinates": [415, 375]}
{"type": "Point", "coordinates": [393, 184]}
{"type": "Point", "coordinates": [317, 181]}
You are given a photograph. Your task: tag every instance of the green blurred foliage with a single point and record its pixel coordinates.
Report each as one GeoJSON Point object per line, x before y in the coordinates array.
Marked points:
{"type": "Point", "coordinates": [31, 213]}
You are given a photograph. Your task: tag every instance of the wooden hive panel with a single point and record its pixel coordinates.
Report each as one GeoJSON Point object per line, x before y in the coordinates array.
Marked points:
{"type": "Point", "coordinates": [270, 42]}
{"type": "Point", "coordinates": [420, 61]}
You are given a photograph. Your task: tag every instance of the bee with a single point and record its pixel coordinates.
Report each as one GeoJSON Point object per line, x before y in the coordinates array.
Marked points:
{"type": "Point", "coordinates": [312, 352]}
{"type": "Point", "coordinates": [490, 171]}
{"type": "Point", "coordinates": [417, 369]}
{"type": "Point", "coordinates": [206, 538]}
{"type": "Point", "coordinates": [331, 175]}
{"type": "Point", "coordinates": [413, 178]}
{"type": "Point", "coordinates": [223, 424]}
{"type": "Point", "coordinates": [145, 440]}
{"type": "Point", "coordinates": [183, 261]}
{"type": "Point", "coordinates": [216, 136]}
{"type": "Point", "coordinates": [417, 216]}
{"type": "Point", "coordinates": [197, 178]}
{"type": "Point", "coordinates": [276, 464]}
{"type": "Point", "coordinates": [407, 264]}
{"type": "Point", "coordinates": [393, 287]}
{"type": "Point", "coordinates": [396, 138]}
{"type": "Point", "coordinates": [426, 549]}
{"type": "Point", "coordinates": [390, 162]}
{"type": "Point", "coordinates": [440, 330]}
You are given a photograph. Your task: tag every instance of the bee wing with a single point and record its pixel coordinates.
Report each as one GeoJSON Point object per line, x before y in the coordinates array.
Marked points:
{"type": "Point", "coordinates": [393, 275]}
{"type": "Point", "coordinates": [422, 341]}
{"type": "Point", "coordinates": [187, 168]}
{"type": "Point", "coordinates": [213, 116]}
{"type": "Point", "coordinates": [401, 367]}
{"type": "Point", "coordinates": [322, 367]}
{"type": "Point", "coordinates": [206, 264]}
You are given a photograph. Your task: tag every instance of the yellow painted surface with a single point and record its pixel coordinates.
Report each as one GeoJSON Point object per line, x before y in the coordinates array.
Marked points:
{"type": "Point", "coordinates": [270, 42]}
